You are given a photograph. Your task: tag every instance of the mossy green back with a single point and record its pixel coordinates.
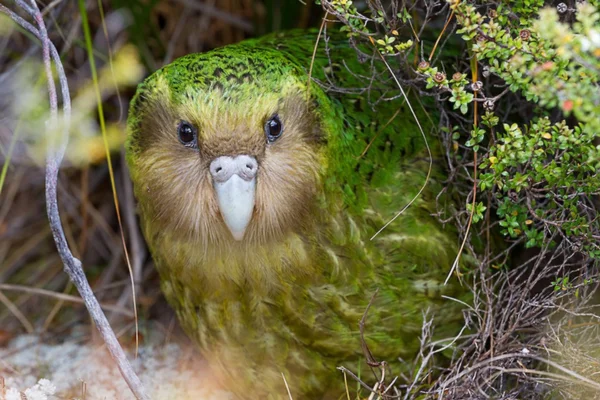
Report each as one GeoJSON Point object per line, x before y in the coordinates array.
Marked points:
{"type": "Point", "coordinates": [309, 325]}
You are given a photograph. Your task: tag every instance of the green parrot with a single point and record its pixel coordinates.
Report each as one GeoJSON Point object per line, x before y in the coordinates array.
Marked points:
{"type": "Point", "coordinates": [259, 189]}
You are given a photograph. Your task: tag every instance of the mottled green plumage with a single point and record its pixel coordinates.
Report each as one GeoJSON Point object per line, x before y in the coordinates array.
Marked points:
{"type": "Point", "coordinates": [288, 298]}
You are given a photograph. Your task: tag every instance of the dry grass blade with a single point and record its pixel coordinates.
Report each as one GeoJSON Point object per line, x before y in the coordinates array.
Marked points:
{"type": "Point", "coordinates": [7, 157]}
{"type": "Point", "coordinates": [61, 297]}
{"type": "Point", "coordinates": [56, 153]}
{"type": "Point", "coordinates": [287, 387]}
{"type": "Point", "coordinates": [88, 41]}
{"type": "Point", "coordinates": [437, 42]}
{"type": "Point", "coordinates": [474, 202]}
{"type": "Point", "coordinates": [346, 385]}
{"type": "Point", "coordinates": [17, 313]}
{"type": "Point", "coordinates": [412, 111]}
{"type": "Point", "coordinates": [314, 54]}
{"type": "Point", "coordinates": [368, 146]}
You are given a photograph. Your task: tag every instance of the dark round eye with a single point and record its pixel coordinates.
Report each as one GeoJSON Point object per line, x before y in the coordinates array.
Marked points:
{"type": "Point", "coordinates": [273, 128]}
{"type": "Point", "coordinates": [187, 134]}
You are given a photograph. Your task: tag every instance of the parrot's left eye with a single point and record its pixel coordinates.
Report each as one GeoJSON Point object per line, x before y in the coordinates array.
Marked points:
{"type": "Point", "coordinates": [187, 134]}
{"type": "Point", "coordinates": [273, 128]}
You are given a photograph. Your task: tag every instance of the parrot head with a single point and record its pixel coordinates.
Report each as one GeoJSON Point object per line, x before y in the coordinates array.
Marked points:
{"type": "Point", "coordinates": [228, 149]}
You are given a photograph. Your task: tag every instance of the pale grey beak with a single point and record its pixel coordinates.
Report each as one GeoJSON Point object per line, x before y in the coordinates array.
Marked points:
{"type": "Point", "coordinates": [234, 180]}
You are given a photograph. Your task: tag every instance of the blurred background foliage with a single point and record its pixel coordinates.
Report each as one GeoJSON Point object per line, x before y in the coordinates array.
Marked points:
{"type": "Point", "coordinates": [517, 101]}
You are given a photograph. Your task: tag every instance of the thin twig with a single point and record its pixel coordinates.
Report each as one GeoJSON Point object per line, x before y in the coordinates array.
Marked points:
{"type": "Point", "coordinates": [55, 155]}
{"type": "Point", "coordinates": [515, 356]}
{"type": "Point", "coordinates": [61, 297]}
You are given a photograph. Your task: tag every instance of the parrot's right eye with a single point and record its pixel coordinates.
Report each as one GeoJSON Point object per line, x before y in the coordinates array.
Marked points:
{"type": "Point", "coordinates": [187, 134]}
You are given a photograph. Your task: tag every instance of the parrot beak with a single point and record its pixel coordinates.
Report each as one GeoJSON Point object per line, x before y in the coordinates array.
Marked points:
{"type": "Point", "coordinates": [234, 181]}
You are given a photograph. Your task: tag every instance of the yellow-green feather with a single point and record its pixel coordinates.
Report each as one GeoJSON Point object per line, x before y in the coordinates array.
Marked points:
{"type": "Point", "coordinates": [294, 306]}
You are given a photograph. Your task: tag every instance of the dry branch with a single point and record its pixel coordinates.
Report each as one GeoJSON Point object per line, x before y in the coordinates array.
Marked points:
{"type": "Point", "coordinates": [72, 265]}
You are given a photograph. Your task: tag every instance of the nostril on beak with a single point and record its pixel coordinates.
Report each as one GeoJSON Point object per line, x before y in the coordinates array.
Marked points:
{"type": "Point", "coordinates": [247, 167]}
{"type": "Point", "coordinates": [223, 168]}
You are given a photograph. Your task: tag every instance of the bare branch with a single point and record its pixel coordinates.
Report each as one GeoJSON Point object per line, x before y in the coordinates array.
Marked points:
{"type": "Point", "coordinates": [55, 155]}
